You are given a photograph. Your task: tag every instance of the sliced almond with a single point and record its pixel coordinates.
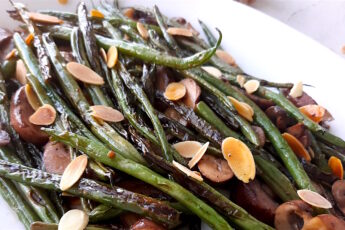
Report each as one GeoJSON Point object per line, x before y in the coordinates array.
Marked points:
{"type": "Point", "coordinates": [296, 146]}
{"type": "Point", "coordinates": [193, 92]}
{"type": "Point", "coordinates": [63, 2]}
{"type": "Point", "coordinates": [213, 71]}
{"type": "Point", "coordinates": [175, 91]}
{"type": "Point", "coordinates": [106, 113]}
{"type": "Point", "coordinates": [44, 18]}
{"type": "Point", "coordinates": [180, 31]}
{"type": "Point", "coordinates": [215, 169]}
{"type": "Point", "coordinates": [96, 14]}
{"type": "Point", "coordinates": [73, 172]}
{"type": "Point", "coordinates": [103, 54]}
{"type": "Point", "coordinates": [11, 54]}
{"type": "Point", "coordinates": [187, 149]}
{"type": "Point", "coordinates": [314, 199]}
{"type": "Point", "coordinates": [196, 158]}
{"type": "Point", "coordinates": [142, 30]}
{"type": "Point", "coordinates": [29, 39]}
{"type": "Point", "coordinates": [240, 159]}
{"type": "Point", "coordinates": [187, 171]}
{"type": "Point", "coordinates": [243, 109]}
{"type": "Point", "coordinates": [84, 73]}
{"type": "Point", "coordinates": [21, 72]}
{"type": "Point", "coordinates": [314, 112]}
{"type": "Point", "coordinates": [336, 167]}
{"type": "Point", "coordinates": [226, 57]}
{"type": "Point", "coordinates": [296, 90]}
{"type": "Point", "coordinates": [129, 13]}
{"type": "Point", "coordinates": [112, 56]}
{"type": "Point", "coordinates": [251, 86]}
{"type": "Point", "coordinates": [44, 115]}
{"type": "Point", "coordinates": [32, 97]}
{"type": "Point", "coordinates": [74, 219]}
{"type": "Point", "coordinates": [241, 80]}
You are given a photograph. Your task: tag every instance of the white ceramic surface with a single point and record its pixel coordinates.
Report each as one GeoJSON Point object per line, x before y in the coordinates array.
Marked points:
{"type": "Point", "coordinates": [262, 46]}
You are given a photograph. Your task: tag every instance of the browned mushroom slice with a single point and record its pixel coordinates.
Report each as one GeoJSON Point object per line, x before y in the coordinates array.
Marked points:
{"type": "Point", "coordinates": [252, 197]}
{"type": "Point", "coordinates": [279, 117]}
{"type": "Point", "coordinates": [162, 79]}
{"type": "Point", "coordinates": [300, 132]}
{"type": "Point", "coordinates": [338, 192]}
{"type": "Point", "coordinates": [292, 215]}
{"type": "Point", "coordinates": [129, 218]}
{"type": "Point", "coordinates": [192, 94]}
{"type": "Point", "coordinates": [56, 157]}
{"type": "Point", "coordinates": [260, 134]}
{"type": "Point", "coordinates": [145, 224]}
{"type": "Point", "coordinates": [20, 111]}
{"type": "Point", "coordinates": [303, 100]}
{"type": "Point", "coordinates": [324, 222]}
{"type": "Point", "coordinates": [215, 169]}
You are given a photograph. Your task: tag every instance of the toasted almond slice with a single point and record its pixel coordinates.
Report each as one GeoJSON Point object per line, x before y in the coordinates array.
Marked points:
{"type": "Point", "coordinates": [243, 109]}
{"type": "Point", "coordinates": [175, 91]}
{"type": "Point", "coordinates": [63, 2]}
{"type": "Point", "coordinates": [215, 169]}
{"type": "Point", "coordinates": [73, 172]}
{"type": "Point", "coordinates": [32, 97]}
{"type": "Point", "coordinates": [44, 115]}
{"type": "Point", "coordinates": [240, 158]}
{"type": "Point", "coordinates": [111, 154]}
{"type": "Point", "coordinates": [226, 57]}
{"type": "Point", "coordinates": [103, 54]}
{"type": "Point", "coordinates": [187, 149]}
{"type": "Point", "coordinates": [314, 112]}
{"type": "Point", "coordinates": [106, 113]}
{"type": "Point", "coordinates": [180, 31]}
{"type": "Point", "coordinates": [196, 158]}
{"type": "Point", "coordinates": [213, 71]}
{"type": "Point", "coordinates": [96, 14]}
{"type": "Point", "coordinates": [84, 73]}
{"type": "Point", "coordinates": [29, 39]}
{"type": "Point", "coordinates": [251, 86]}
{"type": "Point", "coordinates": [296, 90]}
{"type": "Point", "coordinates": [21, 72]}
{"type": "Point", "coordinates": [74, 219]}
{"type": "Point", "coordinates": [142, 30]}
{"type": "Point", "coordinates": [241, 80]}
{"type": "Point", "coordinates": [11, 54]}
{"type": "Point", "coordinates": [336, 167]}
{"type": "Point", "coordinates": [193, 92]}
{"type": "Point", "coordinates": [314, 199]}
{"type": "Point", "coordinates": [129, 13]}
{"type": "Point", "coordinates": [296, 146]}
{"type": "Point", "coordinates": [112, 56]}
{"type": "Point", "coordinates": [44, 18]}
{"type": "Point", "coordinates": [187, 171]}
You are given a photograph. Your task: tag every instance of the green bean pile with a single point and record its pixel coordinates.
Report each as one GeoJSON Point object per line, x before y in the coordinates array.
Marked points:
{"type": "Point", "coordinates": [133, 178]}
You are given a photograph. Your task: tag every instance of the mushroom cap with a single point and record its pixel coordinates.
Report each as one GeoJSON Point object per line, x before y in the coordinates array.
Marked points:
{"type": "Point", "coordinates": [292, 215]}
{"type": "Point", "coordinates": [338, 192]}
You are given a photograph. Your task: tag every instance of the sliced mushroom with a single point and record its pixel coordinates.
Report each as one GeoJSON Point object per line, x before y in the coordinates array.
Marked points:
{"type": "Point", "coordinates": [192, 94]}
{"type": "Point", "coordinates": [129, 218]}
{"type": "Point", "coordinates": [325, 222]}
{"type": "Point", "coordinates": [215, 169]}
{"type": "Point", "coordinates": [145, 224]}
{"type": "Point", "coordinates": [292, 215]}
{"type": "Point", "coordinates": [338, 192]}
{"type": "Point", "coordinates": [162, 79]}
{"type": "Point", "coordinates": [303, 100]}
{"type": "Point", "coordinates": [20, 111]}
{"type": "Point", "coordinates": [260, 134]}
{"type": "Point", "coordinates": [279, 117]}
{"type": "Point", "coordinates": [56, 157]}
{"type": "Point", "coordinates": [300, 132]}
{"type": "Point", "coordinates": [261, 102]}
{"type": "Point", "coordinates": [252, 197]}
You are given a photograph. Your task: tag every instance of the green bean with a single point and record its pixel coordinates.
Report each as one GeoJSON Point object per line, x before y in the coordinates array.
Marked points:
{"type": "Point", "coordinates": [318, 131]}
{"type": "Point", "coordinates": [329, 152]}
{"type": "Point", "coordinates": [319, 158]}
{"type": "Point", "coordinates": [86, 188]}
{"type": "Point", "coordinates": [143, 52]}
{"type": "Point", "coordinates": [36, 198]}
{"type": "Point", "coordinates": [8, 68]}
{"type": "Point", "coordinates": [102, 213]}
{"type": "Point", "coordinates": [275, 179]}
{"type": "Point", "coordinates": [132, 33]}
{"type": "Point", "coordinates": [99, 152]}
{"type": "Point", "coordinates": [103, 131]}
{"type": "Point", "coordinates": [206, 113]}
{"type": "Point", "coordinates": [209, 36]}
{"type": "Point", "coordinates": [139, 93]}
{"type": "Point", "coordinates": [282, 148]}
{"type": "Point", "coordinates": [13, 198]}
